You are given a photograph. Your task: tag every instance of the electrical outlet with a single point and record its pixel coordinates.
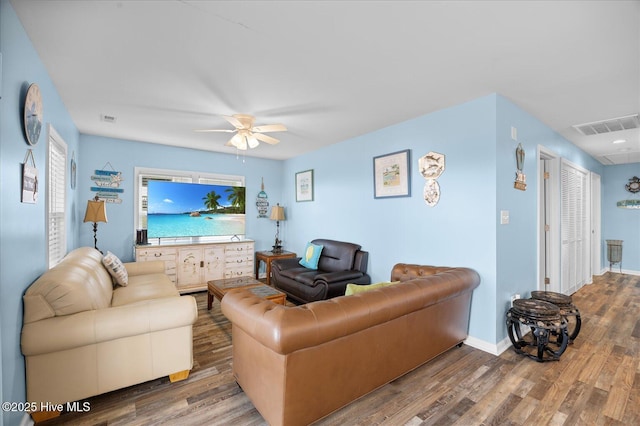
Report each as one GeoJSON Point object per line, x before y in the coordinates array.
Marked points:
{"type": "Point", "coordinates": [514, 297]}
{"type": "Point", "coordinates": [514, 133]}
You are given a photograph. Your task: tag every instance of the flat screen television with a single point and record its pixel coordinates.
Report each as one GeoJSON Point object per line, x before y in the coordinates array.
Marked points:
{"type": "Point", "coordinates": [179, 209]}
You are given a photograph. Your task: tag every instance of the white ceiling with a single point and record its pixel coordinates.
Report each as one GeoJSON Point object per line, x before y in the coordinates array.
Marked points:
{"type": "Point", "coordinates": [333, 70]}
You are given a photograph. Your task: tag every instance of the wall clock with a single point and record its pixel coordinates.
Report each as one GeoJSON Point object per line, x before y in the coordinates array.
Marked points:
{"type": "Point", "coordinates": [33, 114]}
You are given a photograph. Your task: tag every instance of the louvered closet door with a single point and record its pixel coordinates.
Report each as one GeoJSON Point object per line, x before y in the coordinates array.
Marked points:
{"type": "Point", "coordinates": [575, 228]}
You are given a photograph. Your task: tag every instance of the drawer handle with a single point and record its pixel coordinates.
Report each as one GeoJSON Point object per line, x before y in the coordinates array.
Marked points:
{"type": "Point", "coordinates": [157, 254]}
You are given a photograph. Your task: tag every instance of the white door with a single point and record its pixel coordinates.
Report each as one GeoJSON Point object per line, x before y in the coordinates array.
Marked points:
{"type": "Point", "coordinates": [575, 228]}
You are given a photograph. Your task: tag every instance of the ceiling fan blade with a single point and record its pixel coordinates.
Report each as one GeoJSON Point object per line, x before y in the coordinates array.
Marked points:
{"type": "Point", "coordinates": [270, 128]}
{"type": "Point", "coordinates": [234, 121]}
{"type": "Point", "coordinates": [266, 138]}
{"type": "Point", "coordinates": [214, 130]}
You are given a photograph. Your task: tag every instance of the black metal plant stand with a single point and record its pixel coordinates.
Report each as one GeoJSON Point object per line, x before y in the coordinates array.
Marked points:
{"type": "Point", "coordinates": [568, 310]}
{"type": "Point", "coordinates": [548, 338]}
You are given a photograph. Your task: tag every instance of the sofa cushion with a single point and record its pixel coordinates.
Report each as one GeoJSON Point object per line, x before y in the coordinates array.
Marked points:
{"type": "Point", "coordinates": [116, 268]}
{"type": "Point", "coordinates": [78, 283]}
{"type": "Point", "coordinates": [311, 256]}
{"type": "Point", "coordinates": [144, 287]}
{"type": "Point", "coordinates": [336, 255]}
{"type": "Point", "coordinates": [355, 288]}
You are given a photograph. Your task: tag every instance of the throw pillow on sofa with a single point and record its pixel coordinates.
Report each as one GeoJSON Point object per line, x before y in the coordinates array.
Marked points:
{"type": "Point", "coordinates": [311, 256]}
{"type": "Point", "coordinates": [355, 288]}
{"type": "Point", "coordinates": [116, 268]}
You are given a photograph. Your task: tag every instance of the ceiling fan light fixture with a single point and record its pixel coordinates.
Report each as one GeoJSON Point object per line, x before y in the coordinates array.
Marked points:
{"type": "Point", "coordinates": [247, 135]}
{"type": "Point", "coordinates": [252, 141]}
{"type": "Point", "coordinates": [238, 141]}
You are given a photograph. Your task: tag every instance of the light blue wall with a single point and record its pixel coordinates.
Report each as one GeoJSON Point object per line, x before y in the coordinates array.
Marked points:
{"type": "Point", "coordinates": [517, 242]}
{"type": "Point", "coordinates": [118, 234]}
{"type": "Point", "coordinates": [621, 224]}
{"type": "Point", "coordinates": [463, 229]}
{"type": "Point", "coordinates": [22, 226]}
{"type": "Point", "coordinates": [459, 231]}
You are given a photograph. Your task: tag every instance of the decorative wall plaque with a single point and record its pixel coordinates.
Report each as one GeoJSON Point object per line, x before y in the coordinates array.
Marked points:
{"type": "Point", "coordinates": [520, 182]}
{"type": "Point", "coordinates": [262, 202]}
{"type": "Point", "coordinates": [431, 167]}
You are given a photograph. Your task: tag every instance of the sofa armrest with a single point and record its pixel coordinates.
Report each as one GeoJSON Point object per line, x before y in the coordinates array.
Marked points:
{"type": "Point", "coordinates": [102, 325]}
{"type": "Point", "coordinates": [145, 268]}
{"type": "Point", "coordinates": [332, 277]}
{"type": "Point", "coordinates": [289, 263]}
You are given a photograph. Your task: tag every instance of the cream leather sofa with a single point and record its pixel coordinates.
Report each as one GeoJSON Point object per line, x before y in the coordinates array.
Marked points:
{"type": "Point", "coordinates": [299, 364]}
{"type": "Point", "coordinates": [82, 337]}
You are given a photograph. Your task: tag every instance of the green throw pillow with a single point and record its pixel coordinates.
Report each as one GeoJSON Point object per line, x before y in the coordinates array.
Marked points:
{"type": "Point", "coordinates": [311, 256]}
{"type": "Point", "coordinates": [355, 288]}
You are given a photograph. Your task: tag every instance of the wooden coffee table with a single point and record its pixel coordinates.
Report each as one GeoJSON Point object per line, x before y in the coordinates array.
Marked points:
{"type": "Point", "coordinates": [218, 288]}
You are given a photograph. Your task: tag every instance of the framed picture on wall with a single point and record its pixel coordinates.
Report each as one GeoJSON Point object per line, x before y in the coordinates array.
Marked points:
{"type": "Point", "coordinates": [391, 175]}
{"type": "Point", "coordinates": [304, 186]}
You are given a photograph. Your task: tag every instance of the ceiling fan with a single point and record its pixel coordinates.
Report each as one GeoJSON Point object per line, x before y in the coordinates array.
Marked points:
{"type": "Point", "coordinates": [247, 135]}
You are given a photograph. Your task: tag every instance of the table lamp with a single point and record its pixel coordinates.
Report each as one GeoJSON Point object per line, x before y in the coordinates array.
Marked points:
{"type": "Point", "coordinates": [277, 214]}
{"type": "Point", "coordinates": [96, 212]}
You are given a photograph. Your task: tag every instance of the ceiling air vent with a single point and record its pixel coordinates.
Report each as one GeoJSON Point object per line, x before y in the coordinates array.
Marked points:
{"type": "Point", "coordinates": [108, 118]}
{"type": "Point", "coordinates": [607, 126]}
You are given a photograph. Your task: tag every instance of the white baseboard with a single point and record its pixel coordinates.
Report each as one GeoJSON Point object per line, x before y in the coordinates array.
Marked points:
{"type": "Point", "coordinates": [26, 420]}
{"type": "Point", "coordinates": [493, 349]}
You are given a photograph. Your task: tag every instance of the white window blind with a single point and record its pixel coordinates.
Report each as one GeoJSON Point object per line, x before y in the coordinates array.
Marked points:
{"type": "Point", "coordinates": [56, 198]}
{"type": "Point", "coordinates": [575, 229]}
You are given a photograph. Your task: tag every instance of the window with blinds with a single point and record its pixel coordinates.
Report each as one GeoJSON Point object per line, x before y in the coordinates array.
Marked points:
{"type": "Point", "coordinates": [56, 198]}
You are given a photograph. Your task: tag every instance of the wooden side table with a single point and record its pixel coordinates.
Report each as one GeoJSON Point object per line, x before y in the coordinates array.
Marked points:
{"type": "Point", "coordinates": [267, 257]}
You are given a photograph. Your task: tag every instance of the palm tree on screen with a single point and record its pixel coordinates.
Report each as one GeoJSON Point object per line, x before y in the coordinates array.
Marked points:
{"type": "Point", "coordinates": [211, 201]}
{"type": "Point", "coordinates": [237, 197]}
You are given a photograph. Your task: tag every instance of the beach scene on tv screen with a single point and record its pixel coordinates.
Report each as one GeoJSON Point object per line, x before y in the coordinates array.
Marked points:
{"type": "Point", "coordinates": [178, 209]}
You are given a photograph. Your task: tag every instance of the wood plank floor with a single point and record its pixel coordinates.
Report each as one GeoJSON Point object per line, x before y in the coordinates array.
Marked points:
{"type": "Point", "coordinates": [596, 381]}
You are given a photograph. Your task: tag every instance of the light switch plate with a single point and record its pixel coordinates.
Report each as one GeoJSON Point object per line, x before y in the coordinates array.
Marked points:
{"type": "Point", "coordinates": [504, 217]}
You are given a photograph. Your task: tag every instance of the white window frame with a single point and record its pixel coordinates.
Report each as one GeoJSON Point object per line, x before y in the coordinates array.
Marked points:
{"type": "Point", "coordinates": [140, 212]}
{"type": "Point", "coordinates": [56, 199]}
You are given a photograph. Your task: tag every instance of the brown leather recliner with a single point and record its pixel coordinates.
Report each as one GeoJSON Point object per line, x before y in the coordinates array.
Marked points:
{"type": "Point", "coordinates": [340, 263]}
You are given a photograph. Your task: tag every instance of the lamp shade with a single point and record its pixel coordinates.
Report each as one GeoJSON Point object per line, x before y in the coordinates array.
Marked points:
{"type": "Point", "coordinates": [96, 211]}
{"type": "Point", "coordinates": [277, 213]}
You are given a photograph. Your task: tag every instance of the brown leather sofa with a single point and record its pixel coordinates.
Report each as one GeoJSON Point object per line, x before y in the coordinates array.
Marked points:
{"type": "Point", "coordinates": [340, 263]}
{"type": "Point", "coordinates": [299, 364]}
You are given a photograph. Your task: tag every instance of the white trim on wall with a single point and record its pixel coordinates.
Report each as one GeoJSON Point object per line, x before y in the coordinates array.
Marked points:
{"type": "Point", "coordinates": [553, 219]}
